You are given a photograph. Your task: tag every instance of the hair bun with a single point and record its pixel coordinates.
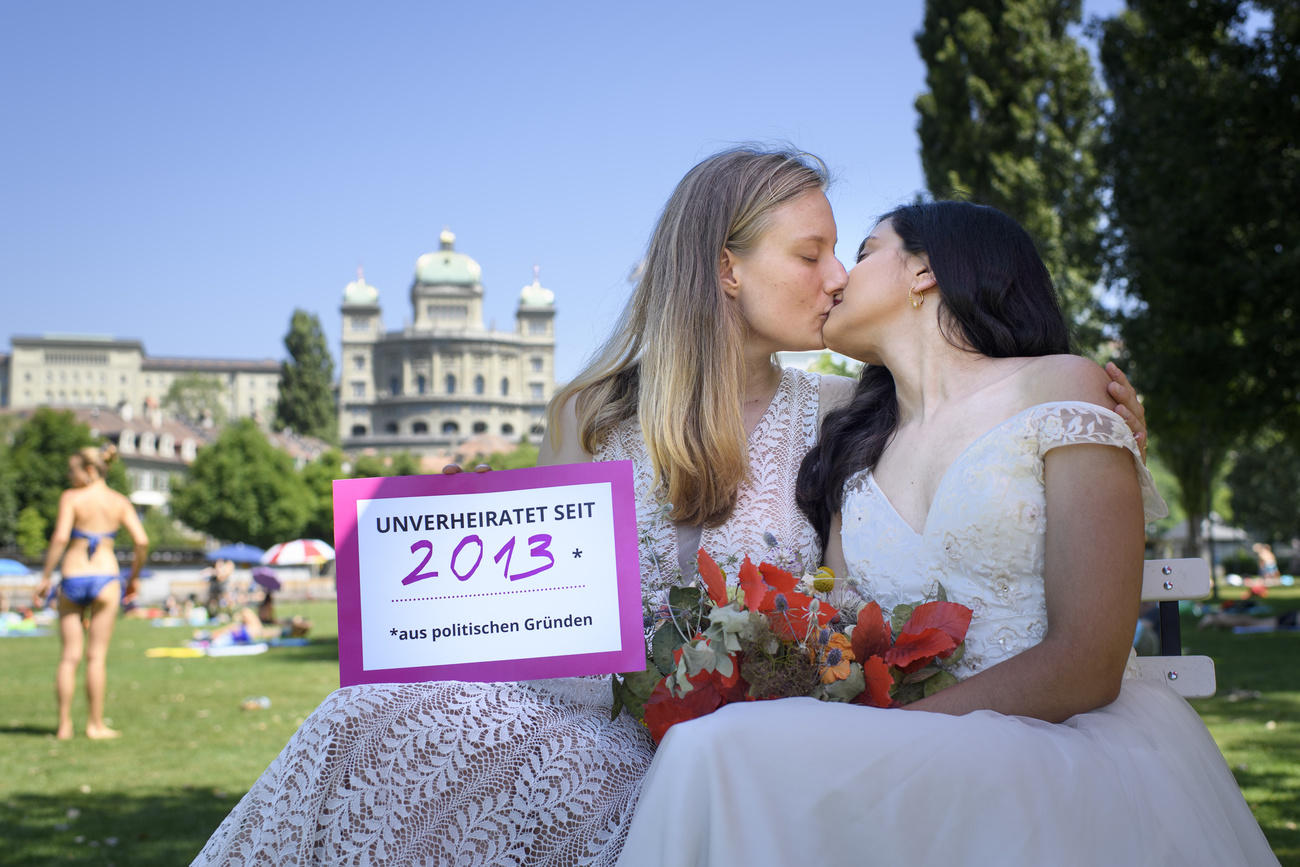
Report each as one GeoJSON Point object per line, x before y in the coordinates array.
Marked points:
{"type": "Point", "coordinates": [108, 453]}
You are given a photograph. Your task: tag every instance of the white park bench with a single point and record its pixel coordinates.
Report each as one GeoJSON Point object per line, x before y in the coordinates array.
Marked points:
{"type": "Point", "coordinates": [1166, 582]}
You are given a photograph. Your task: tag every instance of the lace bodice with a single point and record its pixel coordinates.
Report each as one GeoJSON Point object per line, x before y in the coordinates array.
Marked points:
{"type": "Point", "coordinates": [766, 523]}
{"type": "Point", "coordinates": [984, 536]}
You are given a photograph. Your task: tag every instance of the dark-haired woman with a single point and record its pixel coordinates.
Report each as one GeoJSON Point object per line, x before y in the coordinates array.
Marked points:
{"type": "Point", "coordinates": [741, 266]}
{"type": "Point", "coordinates": [977, 457]}
{"type": "Point", "coordinates": [90, 514]}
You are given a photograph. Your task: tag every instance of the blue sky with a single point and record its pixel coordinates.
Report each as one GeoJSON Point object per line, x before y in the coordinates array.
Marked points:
{"type": "Point", "coordinates": [188, 174]}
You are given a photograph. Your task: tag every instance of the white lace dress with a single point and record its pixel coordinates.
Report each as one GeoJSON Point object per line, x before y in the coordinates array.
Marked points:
{"type": "Point", "coordinates": [530, 773]}
{"type": "Point", "coordinates": [1138, 782]}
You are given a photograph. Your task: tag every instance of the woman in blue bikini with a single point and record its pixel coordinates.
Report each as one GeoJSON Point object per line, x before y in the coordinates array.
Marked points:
{"type": "Point", "coordinates": [90, 514]}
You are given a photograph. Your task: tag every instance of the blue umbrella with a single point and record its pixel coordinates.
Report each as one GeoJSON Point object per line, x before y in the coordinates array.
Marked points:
{"type": "Point", "coordinates": [237, 553]}
{"type": "Point", "coordinates": [12, 567]}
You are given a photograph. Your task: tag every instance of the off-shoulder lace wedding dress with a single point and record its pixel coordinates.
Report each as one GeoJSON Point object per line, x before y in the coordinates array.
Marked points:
{"type": "Point", "coordinates": [507, 773]}
{"type": "Point", "coordinates": [1138, 782]}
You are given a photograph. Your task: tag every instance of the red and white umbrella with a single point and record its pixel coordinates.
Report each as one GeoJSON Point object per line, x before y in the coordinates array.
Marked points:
{"type": "Point", "coordinates": [298, 552]}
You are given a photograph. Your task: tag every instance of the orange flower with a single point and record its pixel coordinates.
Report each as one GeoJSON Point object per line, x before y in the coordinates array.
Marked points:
{"type": "Point", "coordinates": [836, 657]}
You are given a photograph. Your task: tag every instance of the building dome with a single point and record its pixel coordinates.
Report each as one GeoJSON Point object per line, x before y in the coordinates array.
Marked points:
{"type": "Point", "coordinates": [447, 267]}
{"type": "Point", "coordinates": [359, 292]}
{"type": "Point", "coordinates": [533, 295]}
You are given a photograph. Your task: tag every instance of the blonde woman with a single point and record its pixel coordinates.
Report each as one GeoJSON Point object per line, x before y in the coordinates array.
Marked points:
{"type": "Point", "coordinates": [740, 266]}
{"type": "Point", "coordinates": [90, 515]}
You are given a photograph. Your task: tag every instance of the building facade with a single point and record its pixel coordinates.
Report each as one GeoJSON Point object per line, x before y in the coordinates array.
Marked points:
{"type": "Point", "coordinates": [78, 371]}
{"type": "Point", "coordinates": [445, 377]}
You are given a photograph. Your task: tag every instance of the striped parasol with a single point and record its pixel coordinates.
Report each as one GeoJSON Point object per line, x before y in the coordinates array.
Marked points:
{"type": "Point", "coordinates": [298, 552]}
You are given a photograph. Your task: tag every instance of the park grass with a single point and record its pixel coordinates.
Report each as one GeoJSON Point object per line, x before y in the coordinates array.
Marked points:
{"type": "Point", "coordinates": [188, 752]}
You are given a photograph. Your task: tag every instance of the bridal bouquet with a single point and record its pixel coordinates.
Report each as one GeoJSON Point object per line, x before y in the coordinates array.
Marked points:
{"type": "Point", "coordinates": [776, 636]}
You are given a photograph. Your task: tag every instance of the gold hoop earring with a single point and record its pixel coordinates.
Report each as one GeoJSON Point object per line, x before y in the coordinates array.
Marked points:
{"type": "Point", "coordinates": [917, 298]}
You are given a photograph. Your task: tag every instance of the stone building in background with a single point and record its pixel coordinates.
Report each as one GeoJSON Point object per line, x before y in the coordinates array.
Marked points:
{"type": "Point", "coordinates": [444, 378]}
{"type": "Point", "coordinates": [82, 371]}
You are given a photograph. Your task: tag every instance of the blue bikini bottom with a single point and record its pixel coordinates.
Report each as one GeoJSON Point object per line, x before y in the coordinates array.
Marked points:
{"type": "Point", "coordinates": [83, 589]}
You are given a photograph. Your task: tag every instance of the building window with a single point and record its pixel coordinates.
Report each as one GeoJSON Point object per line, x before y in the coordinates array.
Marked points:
{"type": "Point", "coordinates": [395, 386]}
{"type": "Point", "coordinates": [480, 427]}
{"type": "Point", "coordinates": [420, 427]}
{"type": "Point", "coordinates": [451, 384]}
{"type": "Point", "coordinates": [535, 391]}
{"type": "Point", "coordinates": [480, 385]}
{"type": "Point", "coordinates": [537, 430]}
{"type": "Point", "coordinates": [505, 387]}
{"type": "Point", "coordinates": [507, 428]}
{"type": "Point", "coordinates": [360, 323]}
{"type": "Point", "coordinates": [358, 430]}
{"type": "Point", "coordinates": [536, 326]}
{"type": "Point", "coordinates": [358, 363]}
{"type": "Point", "coordinates": [421, 384]}
{"type": "Point", "coordinates": [536, 362]}
{"type": "Point", "coordinates": [358, 389]}
{"type": "Point", "coordinates": [449, 314]}
{"type": "Point", "coordinates": [391, 427]}
{"type": "Point", "coordinates": [450, 427]}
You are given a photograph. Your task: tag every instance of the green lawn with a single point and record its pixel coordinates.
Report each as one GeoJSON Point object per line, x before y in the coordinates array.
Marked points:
{"type": "Point", "coordinates": [188, 751]}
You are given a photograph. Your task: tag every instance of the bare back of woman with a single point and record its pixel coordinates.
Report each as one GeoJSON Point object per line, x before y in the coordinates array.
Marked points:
{"type": "Point", "coordinates": [91, 590]}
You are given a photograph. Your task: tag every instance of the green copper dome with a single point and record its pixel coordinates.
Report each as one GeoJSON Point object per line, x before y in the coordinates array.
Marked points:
{"type": "Point", "coordinates": [359, 292]}
{"type": "Point", "coordinates": [447, 267]}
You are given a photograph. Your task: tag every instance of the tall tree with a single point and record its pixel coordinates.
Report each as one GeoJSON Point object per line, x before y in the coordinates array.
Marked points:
{"type": "Point", "coordinates": [319, 476]}
{"type": "Point", "coordinates": [1265, 483]}
{"type": "Point", "coordinates": [1201, 133]}
{"type": "Point", "coordinates": [197, 398]}
{"type": "Point", "coordinates": [241, 488]}
{"type": "Point", "coordinates": [1009, 120]}
{"type": "Point", "coordinates": [36, 465]}
{"type": "Point", "coordinates": [306, 402]}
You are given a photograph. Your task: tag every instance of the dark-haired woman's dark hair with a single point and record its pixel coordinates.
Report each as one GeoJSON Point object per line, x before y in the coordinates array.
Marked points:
{"type": "Point", "coordinates": [998, 301]}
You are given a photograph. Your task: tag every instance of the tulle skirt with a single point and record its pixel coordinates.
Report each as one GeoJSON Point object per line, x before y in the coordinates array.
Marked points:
{"type": "Point", "coordinates": [446, 773]}
{"type": "Point", "coordinates": [1138, 782]}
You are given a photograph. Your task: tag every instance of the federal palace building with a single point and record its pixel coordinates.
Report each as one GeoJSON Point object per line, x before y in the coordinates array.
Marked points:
{"type": "Point", "coordinates": [444, 378]}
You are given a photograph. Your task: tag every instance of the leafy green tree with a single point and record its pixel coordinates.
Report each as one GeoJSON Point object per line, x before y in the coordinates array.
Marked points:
{"type": "Point", "coordinates": [374, 466]}
{"type": "Point", "coordinates": [196, 397]}
{"type": "Point", "coordinates": [522, 455]}
{"type": "Point", "coordinates": [841, 367]}
{"type": "Point", "coordinates": [1265, 483]}
{"type": "Point", "coordinates": [319, 476]}
{"type": "Point", "coordinates": [164, 531]}
{"type": "Point", "coordinates": [31, 532]}
{"type": "Point", "coordinates": [242, 488]}
{"type": "Point", "coordinates": [36, 464]}
{"type": "Point", "coordinates": [8, 490]}
{"type": "Point", "coordinates": [1009, 119]}
{"type": "Point", "coordinates": [1201, 135]}
{"type": "Point", "coordinates": [306, 401]}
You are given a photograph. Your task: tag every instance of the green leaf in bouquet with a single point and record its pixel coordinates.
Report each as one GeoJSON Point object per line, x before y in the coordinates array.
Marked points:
{"type": "Point", "coordinates": [667, 638]}
{"type": "Point", "coordinates": [682, 598]}
{"type": "Point", "coordinates": [727, 625]}
{"type": "Point", "coordinates": [899, 616]}
{"type": "Point", "coordinates": [942, 594]}
{"type": "Point", "coordinates": [908, 692]}
{"type": "Point", "coordinates": [637, 687]}
{"type": "Point", "coordinates": [955, 657]}
{"type": "Point", "coordinates": [617, 707]}
{"type": "Point", "coordinates": [941, 680]}
{"type": "Point", "coordinates": [843, 690]}
{"type": "Point", "coordinates": [921, 674]}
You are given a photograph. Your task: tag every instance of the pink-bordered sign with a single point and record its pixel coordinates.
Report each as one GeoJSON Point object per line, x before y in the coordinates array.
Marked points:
{"type": "Point", "coordinates": [507, 575]}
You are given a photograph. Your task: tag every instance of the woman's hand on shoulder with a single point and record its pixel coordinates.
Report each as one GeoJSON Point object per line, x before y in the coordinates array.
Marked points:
{"type": "Point", "coordinates": [562, 446]}
{"type": "Point", "coordinates": [1073, 377]}
{"type": "Point", "coordinates": [1128, 406]}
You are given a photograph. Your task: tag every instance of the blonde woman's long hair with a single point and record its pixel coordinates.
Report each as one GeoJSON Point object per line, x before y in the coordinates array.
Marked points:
{"type": "Point", "coordinates": [675, 361]}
